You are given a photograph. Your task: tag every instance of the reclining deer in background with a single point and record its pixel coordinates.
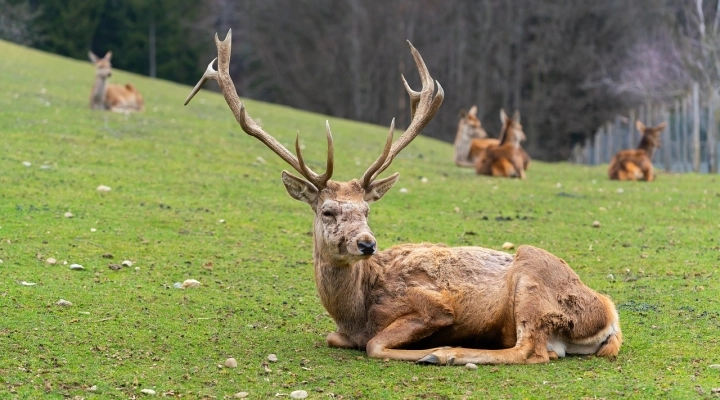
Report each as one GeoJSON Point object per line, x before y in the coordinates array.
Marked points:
{"type": "Point", "coordinates": [469, 129]}
{"type": "Point", "coordinates": [413, 300]}
{"type": "Point", "coordinates": [633, 165]}
{"type": "Point", "coordinates": [506, 157]}
{"type": "Point", "coordinates": [109, 96]}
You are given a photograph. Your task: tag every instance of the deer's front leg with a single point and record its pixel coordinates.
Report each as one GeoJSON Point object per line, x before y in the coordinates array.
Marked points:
{"type": "Point", "coordinates": [405, 330]}
{"type": "Point", "coordinates": [340, 340]}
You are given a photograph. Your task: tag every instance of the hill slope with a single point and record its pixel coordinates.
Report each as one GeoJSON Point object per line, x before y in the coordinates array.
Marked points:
{"type": "Point", "coordinates": [194, 197]}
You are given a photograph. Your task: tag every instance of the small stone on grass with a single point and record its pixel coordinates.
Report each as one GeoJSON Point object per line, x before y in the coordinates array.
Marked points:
{"type": "Point", "coordinates": [471, 366]}
{"type": "Point", "coordinates": [63, 303]}
{"type": "Point", "coordinates": [127, 263]}
{"type": "Point", "coordinates": [596, 224]}
{"type": "Point", "coordinates": [148, 391]}
{"type": "Point", "coordinates": [272, 358]}
{"type": "Point", "coordinates": [231, 363]}
{"type": "Point", "coordinates": [299, 394]}
{"type": "Point", "coordinates": [241, 395]}
{"type": "Point", "coordinates": [103, 189]}
{"type": "Point", "coordinates": [68, 214]}
{"type": "Point", "coordinates": [190, 283]}
{"type": "Point", "coordinates": [76, 267]}
{"type": "Point", "coordinates": [51, 261]}
{"type": "Point", "coordinates": [508, 246]}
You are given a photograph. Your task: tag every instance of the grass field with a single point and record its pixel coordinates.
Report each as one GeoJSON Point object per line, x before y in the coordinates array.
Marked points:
{"type": "Point", "coordinates": [193, 197]}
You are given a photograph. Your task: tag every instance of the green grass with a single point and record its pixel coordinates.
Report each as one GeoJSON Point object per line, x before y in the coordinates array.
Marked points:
{"type": "Point", "coordinates": [176, 171]}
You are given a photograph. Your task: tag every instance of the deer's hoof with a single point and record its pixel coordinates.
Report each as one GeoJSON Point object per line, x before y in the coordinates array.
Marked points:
{"type": "Point", "coordinates": [429, 359]}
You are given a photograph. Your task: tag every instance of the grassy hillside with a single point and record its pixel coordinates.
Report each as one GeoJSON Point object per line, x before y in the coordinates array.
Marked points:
{"type": "Point", "coordinates": [194, 197]}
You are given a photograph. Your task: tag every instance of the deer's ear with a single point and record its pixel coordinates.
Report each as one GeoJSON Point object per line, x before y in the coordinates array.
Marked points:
{"type": "Point", "coordinates": [473, 110]}
{"type": "Point", "coordinates": [377, 189]}
{"type": "Point", "coordinates": [660, 126]}
{"type": "Point", "coordinates": [108, 55]}
{"type": "Point", "coordinates": [503, 116]}
{"type": "Point", "coordinates": [299, 189]}
{"type": "Point", "coordinates": [92, 57]}
{"type": "Point", "coordinates": [640, 126]}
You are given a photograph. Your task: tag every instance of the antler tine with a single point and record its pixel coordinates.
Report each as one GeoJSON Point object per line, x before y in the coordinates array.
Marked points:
{"type": "Point", "coordinates": [423, 106]}
{"type": "Point", "coordinates": [222, 76]}
{"type": "Point", "coordinates": [320, 181]}
{"type": "Point", "coordinates": [370, 174]}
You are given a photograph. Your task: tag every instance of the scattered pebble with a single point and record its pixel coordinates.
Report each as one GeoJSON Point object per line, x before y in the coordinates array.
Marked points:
{"type": "Point", "coordinates": [51, 261]}
{"type": "Point", "coordinates": [28, 283]}
{"type": "Point", "coordinates": [620, 190]}
{"type": "Point", "coordinates": [103, 189]}
{"type": "Point", "coordinates": [715, 390]}
{"type": "Point", "coordinates": [272, 358]}
{"type": "Point", "coordinates": [508, 246]}
{"type": "Point", "coordinates": [127, 263]}
{"type": "Point", "coordinates": [714, 366]}
{"type": "Point", "coordinates": [471, 366]}
{"type": "Point", "coordinates": [403, 190]}
{"type": "Point", "coordinates": [231, 363]}
{"type": "Point", "coordinates": [63, 303]}
{"type": "Point", "coordinates": [92, 388]}
{"type": "Point", "coordinates": [190, 283]}
{"type": "Point", "coordinates": [148, 391]}
{"type": "Point", "coordinates": [27, 163]}
{"type": "Point", "coordinates": [299, 394]}
{"type": "Point", "coordinates": [456, 209]}
{"type": "Point", "coordinates": [93, 230]}
{"type": "Point", "coordinates": [241, 395]}
{"type": "Point", "coordinates": [177, 285]}
{"type": "Point", "coordinates": [558, 185]}
{"type": "Point", "coordinates": [137, 269]}
{"type": "Point", "coordinates": [424, 179]}
{"type": "Point", "coordinates": [221, 221]}
{"type": "Point", "coordinates": [596, 224]}
{"type": "Point", "coordinates": [76, 267]}
{"type": "Point", "coordinates": [45, 166]}
{"type": "Point", "coordinates": [68, 214]}
{"type": "Point", "coordinates": [260, 160]}
{"type": "Point", "coordinates": [611, 277]}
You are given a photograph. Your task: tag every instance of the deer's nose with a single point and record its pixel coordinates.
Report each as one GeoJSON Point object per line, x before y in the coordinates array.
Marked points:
{"type": "Point", "coordinates": [367, 247]}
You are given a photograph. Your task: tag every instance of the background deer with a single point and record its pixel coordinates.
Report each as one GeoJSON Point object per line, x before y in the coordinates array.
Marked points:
{"type": "Point", "coordinates": [505, 158]}
{"type": "Point", "coordinates": [469, 129]}
{"type": "Point", "coordinates": [108, 96]}
{"type": "Point", "coordinates": [633, 165]}
{"type": "Point", "coordinates": [412, 301]}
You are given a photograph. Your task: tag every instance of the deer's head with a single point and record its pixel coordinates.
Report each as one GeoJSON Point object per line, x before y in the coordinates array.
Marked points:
{"type": "Point", "coordinates": [512, 130]}
{"type": "Point", "coordinates": [470, 125]}
{"type": "Point", "coordinates": [341, 230]}
{"type": "Point", "coordinates": [650, 134]}
{"type": "Point", "coordinates": [103, 67]}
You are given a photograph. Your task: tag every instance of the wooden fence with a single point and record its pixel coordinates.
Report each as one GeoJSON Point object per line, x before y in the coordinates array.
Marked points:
{"type": "Point", "coordinates": [689, 141]}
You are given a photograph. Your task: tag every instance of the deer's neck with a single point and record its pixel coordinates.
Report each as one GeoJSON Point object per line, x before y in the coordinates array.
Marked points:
{"type": "Point", "coordinates": [97, 95]}
{"type": "Point", "coordinates": [647, 145]}
{"type": "Point", "coordinates": [344, 291]}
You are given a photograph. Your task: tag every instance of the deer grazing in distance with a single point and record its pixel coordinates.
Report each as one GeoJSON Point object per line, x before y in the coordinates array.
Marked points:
{"type": "Point", "coordinates": [413, 301]}
{"type": "Point", "coordinates": [109, 96]}
{"type": "Point", "coordinates": [506, 157]}
{"type": "Point", "coordinates": [469, 129]}
{"type": "Point", "coordinates": [633, 165]}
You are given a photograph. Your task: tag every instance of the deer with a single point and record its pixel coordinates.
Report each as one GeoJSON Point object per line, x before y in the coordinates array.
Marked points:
{"type": "Point", "coordinates": [506, 157]}
{"type": "Point", "coordinates": [109, 96]}
{"type": "Point", "coordinates": [469, 129]}
{"type": "Point", "coordinates": [634, 165]}
{"type": "Point", "coordinates": [427, 303]}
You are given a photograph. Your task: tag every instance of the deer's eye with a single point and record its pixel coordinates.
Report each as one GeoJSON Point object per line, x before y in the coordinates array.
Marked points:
{"type": "Point", "coordinates": [328, 214]}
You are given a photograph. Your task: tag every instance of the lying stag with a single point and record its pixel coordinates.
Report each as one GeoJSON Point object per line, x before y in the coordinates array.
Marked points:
{"type": "Point", "coordinates": [504, 156]}
{"type": "Point", "coordinates": [412, 301]}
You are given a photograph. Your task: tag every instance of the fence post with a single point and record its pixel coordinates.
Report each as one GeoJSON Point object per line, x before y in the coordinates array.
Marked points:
{"type": "Point", "coordinates": [677, 130]}
{"type": "Point", "coordinates": [609, 141]}
{"type": "Point", "coordinates": [597, 146]}
{"type": "Point", "coordinates": [587, 150]}
{"type": "Point", "coordinates": [667, 142]}
{"type": "Point", "coordinates": [632, 143]}
{"type": "Point", "coordinates": [711, 132]}
{"type": "Point", "coordinates": [685, 134]}
{"type": "Point", "coordinates": [696, 127]}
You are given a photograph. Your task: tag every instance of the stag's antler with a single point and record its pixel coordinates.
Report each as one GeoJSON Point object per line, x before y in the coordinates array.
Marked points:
{"type": "Point", "coordinates": [423, 106]}
{"type": "Point", "coordinates": [222, 76]}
